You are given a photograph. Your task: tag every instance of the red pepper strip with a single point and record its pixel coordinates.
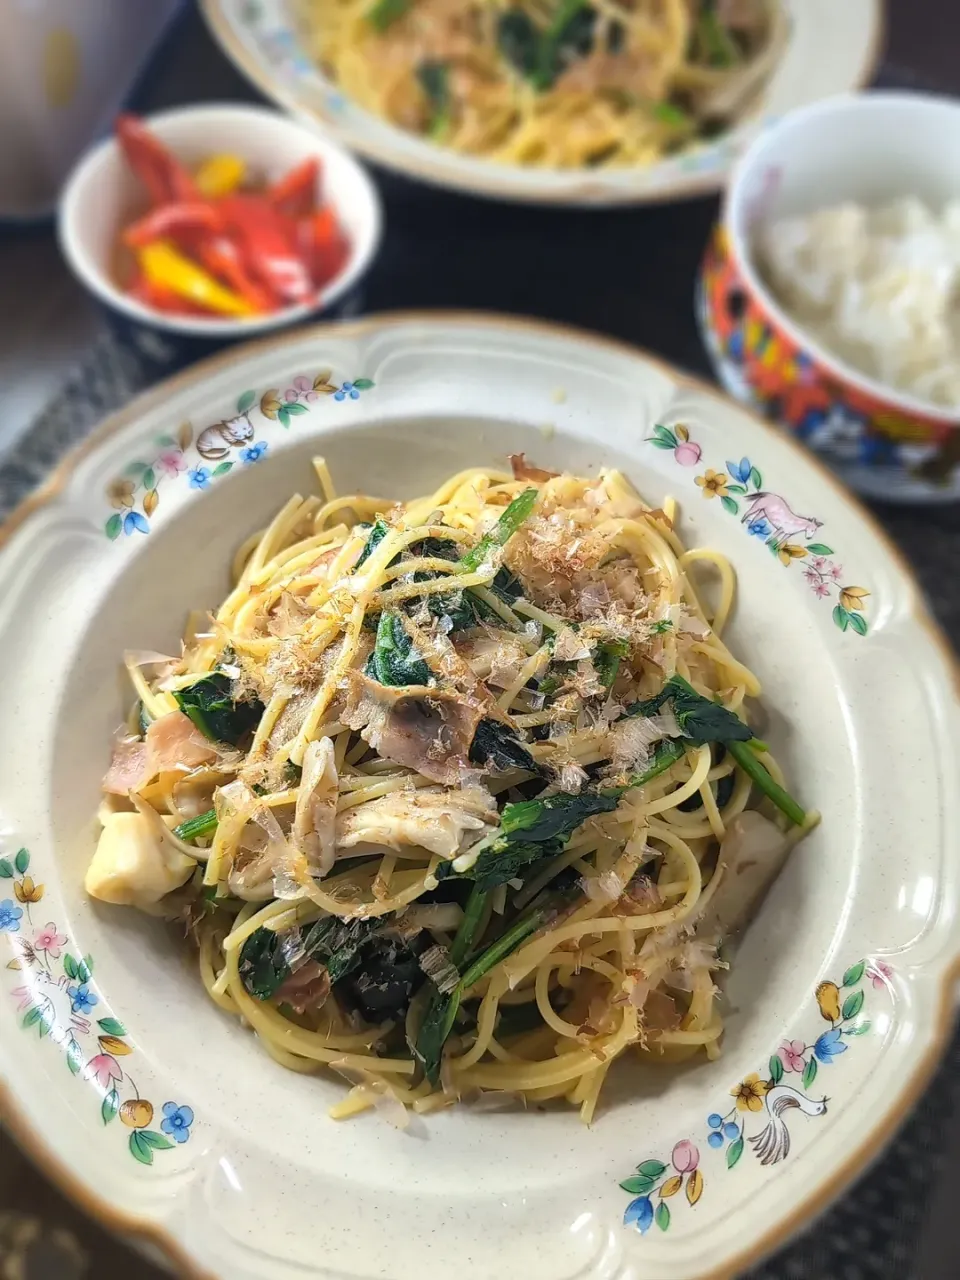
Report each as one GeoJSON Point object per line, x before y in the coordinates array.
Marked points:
{"type": "Point", "coordinates": [220, 255]}
{"type": "Point", "coordinates": [165, 300]}
{"type": "Point", "coordinates": [267, 243]}
{"type": "Point", "coordinates": [171, 219]}
{"type": "Point", "coordinates": [323, 245]}
{"type": "Point", "coordinates": [164, 177]}
{"type": "Point", "coordinates": [296, 193]}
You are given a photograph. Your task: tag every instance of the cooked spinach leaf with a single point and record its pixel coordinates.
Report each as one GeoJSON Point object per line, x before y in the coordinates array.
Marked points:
{"type": "Point", "coordinates": [333, 942]}
{"type": "Point", "coordinates": [464, 607]}
{"type": "Point", "coordinates": [263, 968]}
{"type": "Point", "coordinates": [376, 535]}
{"type": "Point", "coordinates": [541, 55]}
{"type": "Point", "coordinates": [569, 37]}
{"type": "Point", "coordinates": [518, 39]}
{"type": "Point", "coordinates": [702, 721]}
{"type": "Point", "coordinates": [506, 585]}
{"type": "Point", "coordinates": [205, 824]}
{"type": "Point", "coordinates": [529, 831]}
{"type": "Point", "coordinates": [386, 12]}
{"type": "Point", "coordinates": [762, 778]}
{"type": "Point", "coordinates": [467, 931]}
{"type": "Point", "coordinates": [553, 817]}
{"type": "Point", "coordinates": [210, 704]}
{"type": "Point", "coordinates": [394, 660]}
{"type": "Point", "coordinates": [434, 1031]}
{"type": "Point", "coordinates": [717, 46]}
{"type": "Point", "coordinates": [665, 754]}
{"type": "Point", "coordinates": [495, 745]}
{"type": "Point", "coordinates": [434, 549]}
{"type": "Point", "coordinates": [434, 78]}
{"type": "Point", "coordinates": [382, 987]}
{"type": "Point", "coordinates": [501, 533]}
{"type": "Point", "coordinates": [670, 114]}
{"type": "Point", "coordinates": [442, 1012]}
{"type": "Point", "coordinates": [606, 660]}
{"type": "Point", "coordinates": [461, 607]}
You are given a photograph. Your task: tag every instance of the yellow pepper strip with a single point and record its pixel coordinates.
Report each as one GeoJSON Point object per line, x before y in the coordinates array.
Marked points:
{"type": "Point", "coordinates": [220, 175]}
{"type": "Point", "coordinates": [164, 266]}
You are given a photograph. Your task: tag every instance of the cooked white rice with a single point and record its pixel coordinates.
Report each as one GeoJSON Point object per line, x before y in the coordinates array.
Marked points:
{"type": "Point", "coordinates": [880, 288]}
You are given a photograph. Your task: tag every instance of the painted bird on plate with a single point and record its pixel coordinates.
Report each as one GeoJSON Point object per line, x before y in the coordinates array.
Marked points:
{"type": "Point", "coordinates": [772, 1144]}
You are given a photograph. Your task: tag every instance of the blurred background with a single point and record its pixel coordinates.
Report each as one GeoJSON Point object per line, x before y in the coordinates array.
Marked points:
{"type": "Point", "coordinates": [628, 272]}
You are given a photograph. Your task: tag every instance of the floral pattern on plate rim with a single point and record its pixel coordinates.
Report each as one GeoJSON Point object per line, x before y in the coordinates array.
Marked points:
{"type": "Point", "coordinates": [56, 998]}
{"type": "Point", "coordinates": [768, 516]}
{"type": "Point", "coordinates": [206, 456]}
{"type": "Point", "coordinates": [768, 1097]}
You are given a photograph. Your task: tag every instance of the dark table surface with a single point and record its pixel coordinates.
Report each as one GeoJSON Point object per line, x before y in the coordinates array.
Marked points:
{"type": "Point", "coordinates": [628, 273]}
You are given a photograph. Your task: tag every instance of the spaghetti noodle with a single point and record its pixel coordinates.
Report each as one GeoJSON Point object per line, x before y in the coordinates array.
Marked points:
{"type": "Point", "coordinates": [555, 83]}
{"type": "Point", "coordinates": [456, 795]}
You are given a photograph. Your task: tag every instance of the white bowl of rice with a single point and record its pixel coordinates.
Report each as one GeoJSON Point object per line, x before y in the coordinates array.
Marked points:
{"type": "Point", "coordinates": [832, 299]}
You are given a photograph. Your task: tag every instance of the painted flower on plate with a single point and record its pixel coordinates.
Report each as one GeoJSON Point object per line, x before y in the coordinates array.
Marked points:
{"type": "Point", "coordinates": [104, 1070]}
{"type": "Point", "coordinates": [879, 974]}
{"type": "Point", "coordinates": [639, 1214]}
{"type": "Point", "coordinates": [50, 941]}
{"type": "Point", "coordinates": [254, 452]}
{"type": "Point", "coordinates": [199, 477]}
{"type": "Point", "coordinates": [750, 1093]}
{"type": "Point", "coordinates": [740, 471]}
{"type": "Point", "coordinates": [305, 388]}
{"type": "Point", "coordinates": [713, 483]}
{"type": "Point", "coordinates": [27, 890]}
{"type": "Point", "coordinates": [176, 1121]}
{"type": "Point", "coordinates": [133, 522]}
{"type": "Point", "coordinates": [829, 1046]}
{"type": "Point", "coordinates": [171, 463]}
{"type": "Point", "coordinates": [760, 527]}
{"type": "Point", "coordinates": [9, 916]}
{"type": "Point", "coordinates": [82, 998]}
{"type": "Point", "coordinates": [120, 493]}
{"type": "Point", "coordinates": [790, 1054]}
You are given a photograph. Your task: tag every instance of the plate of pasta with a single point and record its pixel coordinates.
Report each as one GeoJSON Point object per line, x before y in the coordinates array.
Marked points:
{"type": "Point", "coordinates": [588, 102]}
{"type": "Point", "coordinates": [486, 857]}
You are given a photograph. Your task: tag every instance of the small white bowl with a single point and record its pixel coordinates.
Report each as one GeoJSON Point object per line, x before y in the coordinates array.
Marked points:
{"type": "Point", "coordinates": [102, 194]}
{"type": "Point", "coordinates": [870, 149]}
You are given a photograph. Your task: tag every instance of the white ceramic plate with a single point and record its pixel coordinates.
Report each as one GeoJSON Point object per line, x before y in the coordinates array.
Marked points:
{"type": "Point", "coordinates": [832, 48]}
{"type": "Point", "coordinates": [165, 1117]}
